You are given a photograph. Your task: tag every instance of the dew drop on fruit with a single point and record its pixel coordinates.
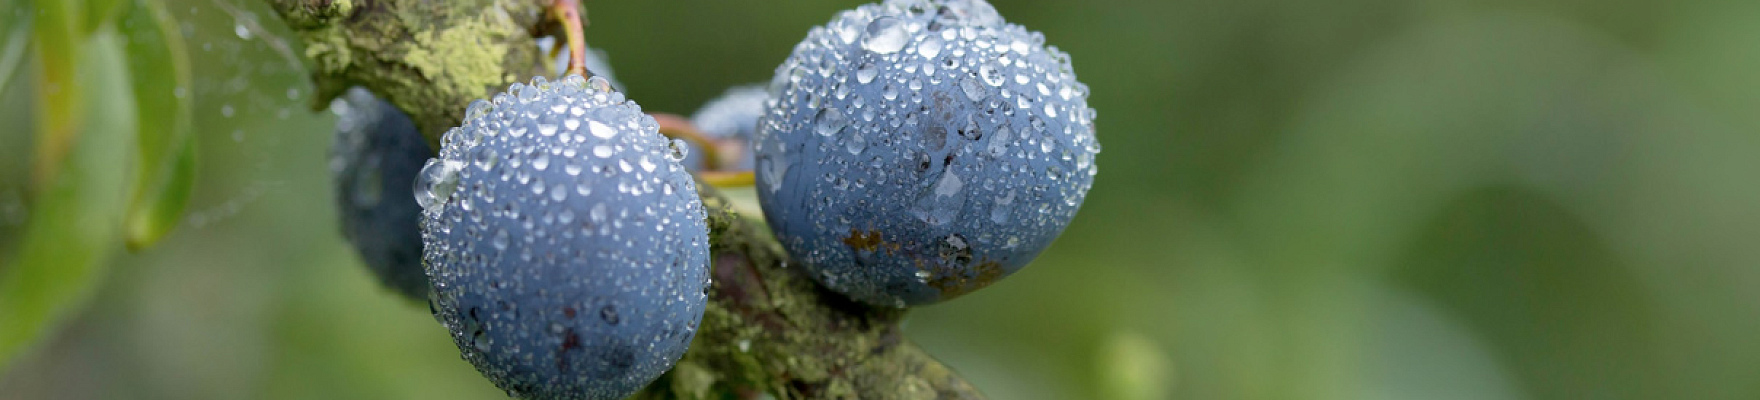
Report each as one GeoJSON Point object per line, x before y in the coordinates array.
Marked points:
{"type": "Point", "coordinates": [484, 158]}
{"type": "Point", "coordinates": [990, 74]}
{"type": "Point", "coordinates": [528, 93]}
{"type": "Point", "coordinates": [597, 213]}
{"type": "Point", "coordinates": [599, 83]}
{"type": "Point", "coordinates": [999, 211]}
{"type": "Point", "coordinates": [885, 35]}
{"type": "Point", "coordinates": [973, 89]}
{"type": "Point", "coordinates": [601, 130]}
{"type": "Point", "coordinates": [930, 47]}
{"type": "Point", "coordinates": [972, 131]}
{"type": "Point", "coordinates": [942, 203]}
{"type": "Point", "coordinates": [501, 240]}
{"type": "Point", "coordinates": [866, 72]}
{"type": "Point", "coordinates": [558, 193]}
{"type": "Point", "coordinates": [677, 150]}
{"type": "Point", "coordinates": [436, 182]}
{"type": "Point", "coordinates": [541, 162]}
{"type": "Point", "coordinates": [828, 122]}
{"type": "Point", "coordinates": [999, 141]}
{"type": "Point", "coordinates": [646, 164]}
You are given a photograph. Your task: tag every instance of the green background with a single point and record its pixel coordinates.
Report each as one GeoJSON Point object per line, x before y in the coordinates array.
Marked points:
{"type": "Point", "coordinates": [1354, 199]}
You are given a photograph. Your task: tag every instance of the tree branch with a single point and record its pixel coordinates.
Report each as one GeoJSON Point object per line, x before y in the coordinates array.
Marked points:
{"type": "Point", "coordinates": [768, 328]}
{"type": "Point", "coordinates": [772, 329]}
{"type": "Point", "coordinates": [430, 58]}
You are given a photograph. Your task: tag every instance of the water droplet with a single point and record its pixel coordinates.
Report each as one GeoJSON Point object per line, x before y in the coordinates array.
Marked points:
{"type": "Point", "coordinates": [999, 211]}
{"type": "Point", "coordinates": [541, 162]}
{"type": "Point", "coordinates": [973, 89]}
{"type": "Point", "coordinates": [955, 248]}
{"type": "Point", "coordinates": [866, 72]}
{"type": "Point", "coordinates": [941, 205]}
{"type": "Point", "coordinates": [484, 158]}
{"type": "Point", "coordinates": [885, 35]}
{"type": "Point", "coordinates": [929, 47]}
{"type": "Point", "coordinates": [527, 93]}
{"type": "Point", "coordinates": [601, 130]}
{"type": "Point", "coordinates": [828, 122]}
{"type": "Point", "coordinates": [971, 131]}
{"type": "Point", "coordinates": [436, 182]}
{"type": "Point", "coordinates": [500, 240]}
{"type": "Point", "coordinates": [1000, 140]}
{"type": "Point", "coordinates": [558, 193]}
{"type": "Point", "coordinates": [990, 75]}
{"type": "Point", "coordinates": [646, 164]}
{"type": "Point", "coordinates": [677, 150]}
{"type": "Point", "coordinates": [949, 185]}
{"type": "Point", "coordinates": [597, 213]}
{"type": "Point", "coordinates": [855, 144]}
{"type": "Point", "coordinates": [477, 109]}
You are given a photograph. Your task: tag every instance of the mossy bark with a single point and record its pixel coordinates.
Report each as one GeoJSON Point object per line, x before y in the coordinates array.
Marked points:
{"type": "Point", "coordinates": [430, 58]}
{"type": "Point", "coordinates": [772, 329]}
{"type": "Point", "coordinates": [768, 329]}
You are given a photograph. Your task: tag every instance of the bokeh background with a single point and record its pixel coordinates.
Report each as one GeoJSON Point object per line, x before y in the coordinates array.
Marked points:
{"type": "Point", "coordinates": [1352, 199]}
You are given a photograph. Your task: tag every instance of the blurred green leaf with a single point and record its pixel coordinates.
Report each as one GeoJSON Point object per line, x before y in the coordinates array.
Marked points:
{"type": "Point", "coordinates": [17, 39]}
{"type": "Point", "coordinates": [99, 12]}
{"type": "Point", "coordinates": [1131, 366]}
{"type": "Point", "coordinates": [73, 226]}
{"type": "Point", "coordinates": [165, 165]}
{"type": "Point", "coordinates": [60, 111]}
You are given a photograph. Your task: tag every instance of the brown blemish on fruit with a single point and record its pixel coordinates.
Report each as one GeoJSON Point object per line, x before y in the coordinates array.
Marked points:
{"type": "Point", "coordinates": [869, 241]}
{"type": "Point", "coordinates": [570, 341]}
{"type": "Point", "coordinates": [863, 241]}
{"type": "Point", "coordinates": [957, 284]}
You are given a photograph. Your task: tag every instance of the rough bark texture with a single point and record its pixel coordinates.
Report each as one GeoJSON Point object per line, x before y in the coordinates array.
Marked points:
{"type": "Point", "coordinates": [769, 329]}
{"type": "Point", "coordinates": [430, 58]}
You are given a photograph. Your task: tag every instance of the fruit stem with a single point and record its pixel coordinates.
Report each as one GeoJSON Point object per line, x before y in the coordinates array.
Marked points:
{"type": "Point", "coordinates": [678, 127]}
{"type": "Point", "coordinates": [568, 13]}
{"type": "Point", "coordinates": [728, 179]}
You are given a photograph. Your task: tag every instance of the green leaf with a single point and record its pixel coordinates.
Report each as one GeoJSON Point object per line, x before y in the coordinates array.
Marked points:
{"type": "Point", "coordinates": [165, 165]}
{"type": "Point", "coordinates": [100, 12]}
{"type": "Point", "coordinates": [59, 109]}
{"type": "Point", "coordinates": [15, 42]}
{"type": "Point", "coordinates": [74, 225]}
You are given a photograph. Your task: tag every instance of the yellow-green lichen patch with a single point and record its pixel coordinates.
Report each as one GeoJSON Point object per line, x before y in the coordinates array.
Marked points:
{"type": "Point", "coordinates": [460, 55]}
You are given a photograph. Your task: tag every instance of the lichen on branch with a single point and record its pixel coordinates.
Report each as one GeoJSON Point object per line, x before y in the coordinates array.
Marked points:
{"type": "Point", "coordinates": [430, 58]}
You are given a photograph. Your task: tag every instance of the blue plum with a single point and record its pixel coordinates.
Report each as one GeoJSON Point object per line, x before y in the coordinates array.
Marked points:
{"type": "Point", "coordinates": [731, 117]}
{"type": "Point", "coordinates": [916, 150]}
{"type": "Point", "coordinates": [374, 158]}
{"type": "Point", "coordinates": [568, 248]}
